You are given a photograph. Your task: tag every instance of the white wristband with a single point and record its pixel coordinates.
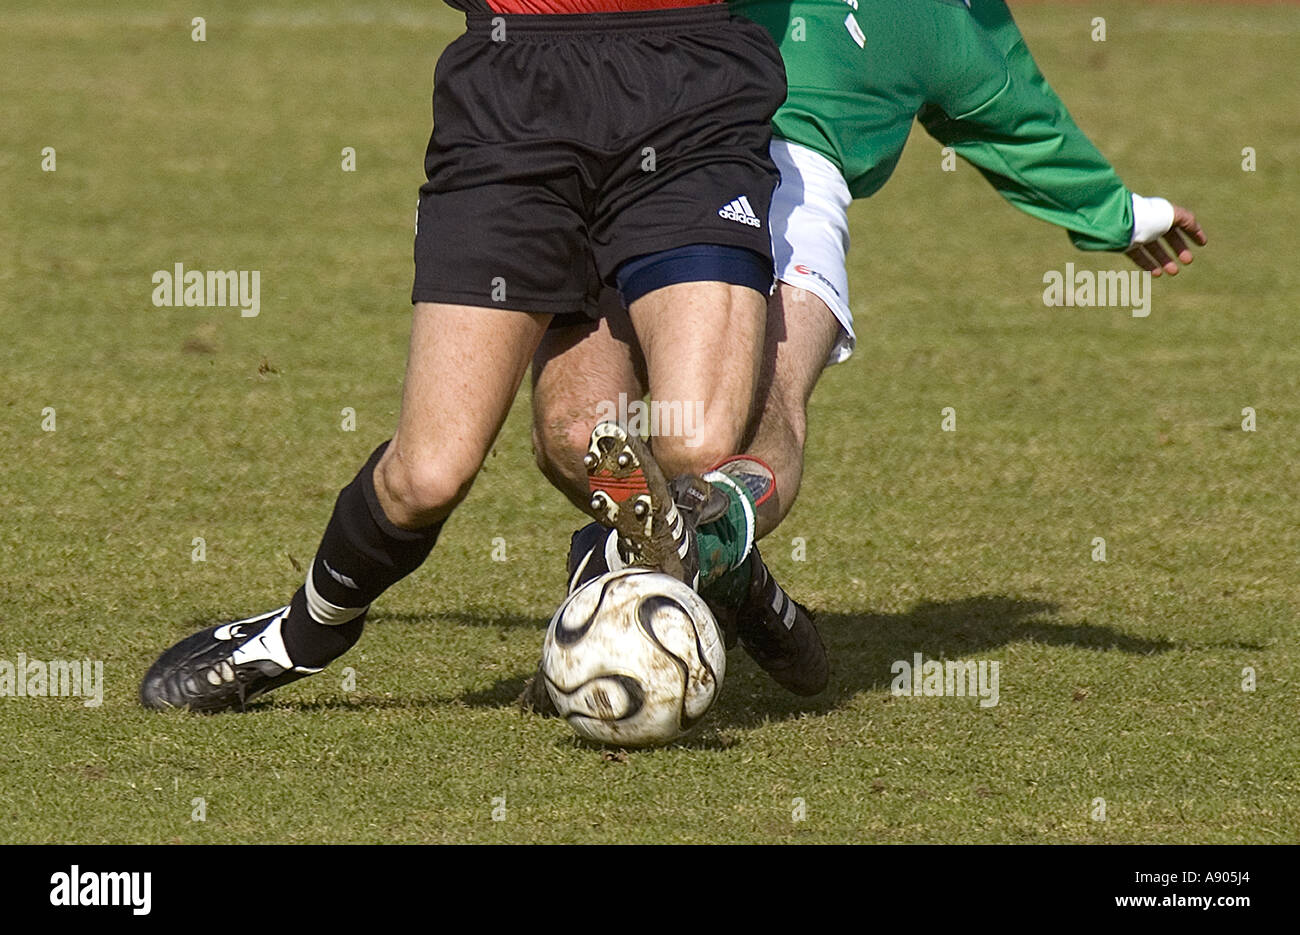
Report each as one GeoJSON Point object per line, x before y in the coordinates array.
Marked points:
{"type": "Point", "coordinates": [1152, 218]}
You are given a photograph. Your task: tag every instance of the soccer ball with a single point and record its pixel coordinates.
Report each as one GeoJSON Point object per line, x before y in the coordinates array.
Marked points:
{"type": "Point", "coordinates": [633, 658]}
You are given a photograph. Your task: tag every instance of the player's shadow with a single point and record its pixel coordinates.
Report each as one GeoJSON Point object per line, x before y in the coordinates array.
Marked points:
{"type": "Point", "coordinates": [863, 647]}
{"type": "Point", "coordinates": [470, 617]}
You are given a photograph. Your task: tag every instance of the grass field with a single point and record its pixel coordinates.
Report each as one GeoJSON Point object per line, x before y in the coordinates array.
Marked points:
{"type": "Point", "coordinates": [1120, 680]}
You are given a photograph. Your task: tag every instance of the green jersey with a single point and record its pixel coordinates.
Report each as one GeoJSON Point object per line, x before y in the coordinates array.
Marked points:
{"type": "Point", "coordinates": [860, 71]}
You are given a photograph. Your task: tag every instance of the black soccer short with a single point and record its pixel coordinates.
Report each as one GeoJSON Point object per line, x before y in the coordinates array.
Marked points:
{"type": "Point", "coordinates": [564, 145]}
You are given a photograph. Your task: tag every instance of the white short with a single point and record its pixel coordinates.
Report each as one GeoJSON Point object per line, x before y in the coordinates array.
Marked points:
{"type": "Point", "coordinates": [810, 232]}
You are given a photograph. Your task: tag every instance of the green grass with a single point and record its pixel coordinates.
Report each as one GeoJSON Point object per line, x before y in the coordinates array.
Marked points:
{"type": "Point", "coordinates": [1119, 680]}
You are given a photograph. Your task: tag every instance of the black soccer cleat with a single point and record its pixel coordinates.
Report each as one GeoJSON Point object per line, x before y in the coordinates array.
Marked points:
{"type": "Point", "coordinates": [593, 551]}
{"type": "Point", "coordinates": [630, 495]}
{"type": "Point", "coordinates": [222, 668]}
{"type": "Point", "coordinates": [779, 635]}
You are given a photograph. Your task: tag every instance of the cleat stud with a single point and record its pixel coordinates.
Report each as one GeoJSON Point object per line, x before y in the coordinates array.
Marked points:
{"type": "Point", "coordinates": [589, 460]}
{"type": "Point", "coordinates": [597, 501]}
{"type": "Point", "coordinates": [624, 459]}
{"type": "Point", "coordinates": [641, 508]}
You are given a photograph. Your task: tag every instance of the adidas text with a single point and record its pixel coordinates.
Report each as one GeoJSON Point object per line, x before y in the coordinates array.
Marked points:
{"type": "Point", "coordinates": [739, 209]}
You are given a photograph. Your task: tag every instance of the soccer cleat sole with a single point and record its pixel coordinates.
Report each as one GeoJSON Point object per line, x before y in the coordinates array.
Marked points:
{"type": "Point", "coordinates": [630, 495]}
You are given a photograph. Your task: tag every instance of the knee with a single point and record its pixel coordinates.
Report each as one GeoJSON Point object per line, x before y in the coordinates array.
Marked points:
{"type": "Point", "coordinates": [559, 443]}
{"type": "Point", "coordinates": [417, 491]}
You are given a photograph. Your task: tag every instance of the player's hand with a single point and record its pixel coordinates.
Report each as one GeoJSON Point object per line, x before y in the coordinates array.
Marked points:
{"type": "Point", "coordinates": [1155, 259]}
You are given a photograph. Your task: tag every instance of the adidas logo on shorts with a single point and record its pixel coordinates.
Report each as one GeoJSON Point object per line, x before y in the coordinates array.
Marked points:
{"type": "Point", "coordinates": [740, 210]}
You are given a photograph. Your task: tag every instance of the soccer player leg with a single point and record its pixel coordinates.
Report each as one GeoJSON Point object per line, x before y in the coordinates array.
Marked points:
{"type": "Point", "coordinates": [808, 327]}
{"type": "Point", "coordinates": [700, 528]}
{"type": "Point", "coordinates": [716, 494]}
{"type": "Point", "coordinates": [809, 324]}
{"type": "Point", "coordinates": [584, 372]}
{"type": "Point", "coordinates": [387, 520]}
{"type": "Point", "coordinates": [384, 523]}
{"type": "Point", "coordinates": [776, 631]}
{"type": "Point", "coordinates": [703, 342]}
{"type": "Point", "coordinates": [801, 334]}
{"type": "Point", "coordinates": [716, 512]}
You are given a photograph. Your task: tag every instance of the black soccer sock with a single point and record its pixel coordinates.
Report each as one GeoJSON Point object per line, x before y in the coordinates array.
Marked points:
{"type": "Point", "coordinates": [314, 645]}
{"type": "Point", "coordinates": [361, 555]}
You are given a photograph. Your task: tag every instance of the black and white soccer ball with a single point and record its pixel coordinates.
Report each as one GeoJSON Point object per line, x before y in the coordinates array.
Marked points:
{"type": "Point", "coordinates": [633, 658]}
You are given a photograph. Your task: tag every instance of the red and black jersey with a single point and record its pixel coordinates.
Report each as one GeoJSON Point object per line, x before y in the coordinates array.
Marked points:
{"type": "Point", "coordinates": [571, 6]}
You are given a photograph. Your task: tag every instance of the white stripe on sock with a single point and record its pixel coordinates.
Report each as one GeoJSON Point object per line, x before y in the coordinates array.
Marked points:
{"type": "Point", "coordinates": [788, 616]}
{"type": "Point", "coordinates": [325, 613]}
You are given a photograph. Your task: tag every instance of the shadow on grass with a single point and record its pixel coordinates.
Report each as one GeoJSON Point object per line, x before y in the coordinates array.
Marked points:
{"type": "Point", "coordinates": [863, 646]}
{"type": "Point", "coordinates": [470, 617]}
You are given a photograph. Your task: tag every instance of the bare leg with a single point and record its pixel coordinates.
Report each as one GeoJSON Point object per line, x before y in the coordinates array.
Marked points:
{"type": "Point", "coordinates": [775, 631]}
{"type": "Point", "coordinates": [464, 368]}
{"type": "Point", "coordinates": [702, 343]}
{"type": "Point", "coordinates": [800, 334]}
{"type": "Point", "coordinates": [575, 369]}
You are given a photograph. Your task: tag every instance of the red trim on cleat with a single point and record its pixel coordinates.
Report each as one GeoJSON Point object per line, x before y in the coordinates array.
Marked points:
{"type": "Point", "coordinates": [771, 490]}
{"type": "Point", "coordinates": [619, 489]}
